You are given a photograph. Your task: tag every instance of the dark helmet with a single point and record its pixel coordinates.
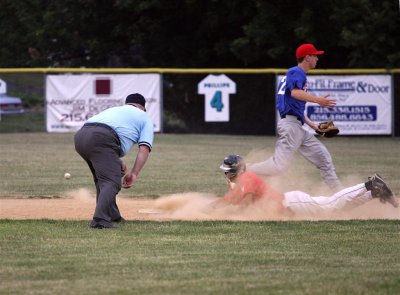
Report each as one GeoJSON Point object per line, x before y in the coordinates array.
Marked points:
{"type": "Point", "coordinates": [233, 165]}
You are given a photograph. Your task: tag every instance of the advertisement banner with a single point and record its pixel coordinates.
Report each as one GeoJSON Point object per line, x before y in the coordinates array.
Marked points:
{"type": "Point", "coordinates": [72, 99]}
{"type": "Point", "coordinates": [3, 87]}
{"type": "Point", "coordinates": [363, 102]}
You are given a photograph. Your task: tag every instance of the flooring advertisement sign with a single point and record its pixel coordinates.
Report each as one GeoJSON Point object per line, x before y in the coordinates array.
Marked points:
{"type": "Point", "coordinates": [72, 99]}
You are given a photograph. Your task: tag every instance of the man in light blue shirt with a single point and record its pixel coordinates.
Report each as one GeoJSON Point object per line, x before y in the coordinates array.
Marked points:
{"type": "Point", "coordinates": [102, 140]}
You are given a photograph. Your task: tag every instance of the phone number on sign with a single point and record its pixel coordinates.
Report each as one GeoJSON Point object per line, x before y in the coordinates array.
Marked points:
{"type": "Point", "coordinates": [76, 117]}
{"type": "Point", "coordinates": [343, 113]}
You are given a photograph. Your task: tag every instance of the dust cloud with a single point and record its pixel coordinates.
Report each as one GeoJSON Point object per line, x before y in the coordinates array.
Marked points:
{"type": "Point", "coordinates": [197, 206]}
{"type": "Point", "coordinates": [82, 195]}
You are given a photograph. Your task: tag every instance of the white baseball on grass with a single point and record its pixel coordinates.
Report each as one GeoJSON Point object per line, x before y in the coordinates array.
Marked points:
{"type": "Point", "coordinates": [67, 175]}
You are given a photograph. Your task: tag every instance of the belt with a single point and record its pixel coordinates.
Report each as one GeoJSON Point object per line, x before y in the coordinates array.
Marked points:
{"type": "Point", "coordinates": [284, 116]}
{"type": "Point", "coordinates": [104, 126]}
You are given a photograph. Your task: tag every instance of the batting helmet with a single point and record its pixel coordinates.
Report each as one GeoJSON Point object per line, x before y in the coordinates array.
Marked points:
{"type": "Point", "coordinates": [233, 165]}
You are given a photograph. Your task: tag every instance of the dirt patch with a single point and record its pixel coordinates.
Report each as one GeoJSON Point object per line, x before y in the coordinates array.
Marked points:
{"type": "Point", "coordinates": [77, 205]}
{"type": "Point", "coordinates": [80, 204]}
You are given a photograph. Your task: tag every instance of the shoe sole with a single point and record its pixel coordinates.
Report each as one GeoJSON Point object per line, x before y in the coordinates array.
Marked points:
{"type": "Point", "coordinates": [391, 199]}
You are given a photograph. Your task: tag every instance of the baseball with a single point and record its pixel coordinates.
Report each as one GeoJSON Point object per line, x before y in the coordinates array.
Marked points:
{"type": "Point", "coordinates": [67, 175]}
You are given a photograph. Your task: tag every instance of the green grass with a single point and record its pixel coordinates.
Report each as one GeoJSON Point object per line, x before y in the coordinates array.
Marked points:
{"type": "Point", "coordinates": [30, 121]}
{"type": "Point", "coordinates": [33, 164]}
{"type": "Point", "coordinates": [66, 257]}
{"type": "Point", "coordinates": [358, 257]}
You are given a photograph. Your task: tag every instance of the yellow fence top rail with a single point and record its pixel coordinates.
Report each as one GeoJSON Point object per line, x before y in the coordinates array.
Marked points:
{"type": "Point", "coordinates": [193, 71]}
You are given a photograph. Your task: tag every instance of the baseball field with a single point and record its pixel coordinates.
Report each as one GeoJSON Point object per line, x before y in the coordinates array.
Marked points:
{"type": "Point", "coordinates": [47, 247]}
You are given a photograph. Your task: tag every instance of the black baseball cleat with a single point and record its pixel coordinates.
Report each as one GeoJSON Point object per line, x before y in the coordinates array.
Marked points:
{"type": "Point", "coordinates": [102, 225]}
{"type": "Point", "coordinates": [120, 220]}
{"type": "Point", "coordinates": [379, 189]}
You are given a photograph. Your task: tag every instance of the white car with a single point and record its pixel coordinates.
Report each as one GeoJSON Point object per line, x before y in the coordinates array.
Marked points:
{"type": "Point", "coordinates": [10, 105]}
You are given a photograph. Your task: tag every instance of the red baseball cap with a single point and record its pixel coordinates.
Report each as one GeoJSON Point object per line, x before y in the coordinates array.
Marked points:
{"type": "Point", "coordinates": [307, 49]}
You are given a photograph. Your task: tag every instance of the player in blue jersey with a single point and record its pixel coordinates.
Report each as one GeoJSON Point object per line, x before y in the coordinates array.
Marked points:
{"type": "Point", "coordinates": [292, 96]}
{"type": "Point", "coordinates": [102, 141]}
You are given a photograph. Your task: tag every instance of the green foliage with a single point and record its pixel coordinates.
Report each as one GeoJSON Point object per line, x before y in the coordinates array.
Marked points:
{"type": "Point", "coordinates": [196, 33]}
{"type": "Point", "coordinates": [27, 86]}
{"type": "Point", "coordinates": [31, 100]}
{"type": "Point", "coordinates": [366, 39]}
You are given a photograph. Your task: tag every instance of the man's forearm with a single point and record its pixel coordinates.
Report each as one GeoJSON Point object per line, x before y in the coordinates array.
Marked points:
{"type": "Point", "coordinates": [304, 96]}
{"type": "Point", "coordinates": [140, 160]}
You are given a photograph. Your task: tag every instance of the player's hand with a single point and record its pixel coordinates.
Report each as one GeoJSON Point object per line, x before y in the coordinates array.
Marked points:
{"type": "Point", "coordinates": [128, 180]}
{"type": "Point", "coordinates": [324, 101]}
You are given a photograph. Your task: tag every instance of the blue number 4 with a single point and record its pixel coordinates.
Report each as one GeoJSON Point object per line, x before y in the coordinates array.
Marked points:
{"type": "Point", "coordinates": [216, 101]}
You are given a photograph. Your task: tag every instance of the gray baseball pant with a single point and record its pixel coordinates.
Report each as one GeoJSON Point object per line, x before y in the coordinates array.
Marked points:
{"type": "Point", "coordinates": [99, 146]}
{"type": "Point", "coordinates": [293, 137]}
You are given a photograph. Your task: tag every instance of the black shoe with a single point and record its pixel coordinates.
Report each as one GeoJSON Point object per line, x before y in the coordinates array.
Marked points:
{"type": "Point", "coordinates": [379, 189]}
{"type": "Point", "coordinates": [101, 225]}
{"type": "Point", "coordinates": [120, 220]}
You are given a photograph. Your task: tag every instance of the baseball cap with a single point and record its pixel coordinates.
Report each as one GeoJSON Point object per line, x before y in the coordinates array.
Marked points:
{"type": "Point", "coordinates": [307, 49]}
{"type": "Point", "coordinates": [136, 98]}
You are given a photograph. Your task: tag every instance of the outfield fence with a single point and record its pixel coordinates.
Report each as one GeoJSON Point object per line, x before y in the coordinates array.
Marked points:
{"type": "Point", "coordinates": [251, 107]}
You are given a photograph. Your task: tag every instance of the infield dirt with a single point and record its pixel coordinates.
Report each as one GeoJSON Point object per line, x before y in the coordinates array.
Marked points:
{"type": "Point", "coordinates": [80, 204]}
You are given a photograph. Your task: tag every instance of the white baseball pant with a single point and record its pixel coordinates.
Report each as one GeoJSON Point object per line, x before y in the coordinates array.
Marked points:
{"type": "Point", "coordinates": [301, 203]}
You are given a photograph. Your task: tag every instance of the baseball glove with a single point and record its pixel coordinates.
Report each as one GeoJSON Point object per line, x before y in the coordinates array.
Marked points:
{"type": "Point", "coordinates": [327, 129]}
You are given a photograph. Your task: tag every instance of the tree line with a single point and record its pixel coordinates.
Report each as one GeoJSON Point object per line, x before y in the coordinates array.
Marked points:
{"type": "Point", "coordinates": [198, 33]}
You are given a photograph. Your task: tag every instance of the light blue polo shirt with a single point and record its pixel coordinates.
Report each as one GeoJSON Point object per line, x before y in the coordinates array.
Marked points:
{"type": "Point", "coordinates": [132, 125]}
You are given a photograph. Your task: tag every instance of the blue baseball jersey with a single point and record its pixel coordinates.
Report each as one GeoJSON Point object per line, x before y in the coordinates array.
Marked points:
{"type": "Point", "coordinates": [132, 125]}
{"type": "Point", "coordinates": [285, 103]}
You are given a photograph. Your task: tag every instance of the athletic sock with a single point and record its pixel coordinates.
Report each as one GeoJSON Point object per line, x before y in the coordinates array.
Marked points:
{"type": "Point", "coordinates": [368, 185]}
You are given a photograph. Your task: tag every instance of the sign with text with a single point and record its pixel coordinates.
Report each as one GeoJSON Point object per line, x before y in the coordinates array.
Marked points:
{"type": "Point", "coordinates": [363, 103]}
{"type": "Point", "coordinates": [216, 89]}
{"type": "Point", "coordinates": [72, 99]}
{"type": "Point", "coordinates": [3, 87]}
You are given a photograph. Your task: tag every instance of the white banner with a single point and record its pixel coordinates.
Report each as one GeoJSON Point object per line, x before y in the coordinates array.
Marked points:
{"type": "Point", "coordinates": [72, 99]}
{"type": "Point", "coordinates": [3, 87]}
{"type": "Point", "coordinates": [216, 89]}
{"type": "Point", "coordinates": [363, 102]}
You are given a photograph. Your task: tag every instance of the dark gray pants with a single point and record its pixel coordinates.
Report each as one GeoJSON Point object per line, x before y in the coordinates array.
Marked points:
{"type": "Point", "coordinates": [99, 147]}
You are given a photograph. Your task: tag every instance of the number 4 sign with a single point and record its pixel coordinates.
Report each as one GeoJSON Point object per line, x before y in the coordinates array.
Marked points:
{"type": "Point", "coordinates": [216, 89]}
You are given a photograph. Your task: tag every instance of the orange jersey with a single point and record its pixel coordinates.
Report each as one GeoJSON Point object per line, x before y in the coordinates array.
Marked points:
{"type": "Point", "coordinates": [250, 188]}
{"type": "Point", "coordinates": [247, 184]}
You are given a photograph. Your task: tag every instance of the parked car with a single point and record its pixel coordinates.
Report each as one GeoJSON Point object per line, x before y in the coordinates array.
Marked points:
{"type": "Point", "coordinates": [10, 105]}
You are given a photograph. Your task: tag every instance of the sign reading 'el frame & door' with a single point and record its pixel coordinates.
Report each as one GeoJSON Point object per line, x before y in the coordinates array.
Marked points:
{"type": "Point", "coordinates": [363, 102]}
